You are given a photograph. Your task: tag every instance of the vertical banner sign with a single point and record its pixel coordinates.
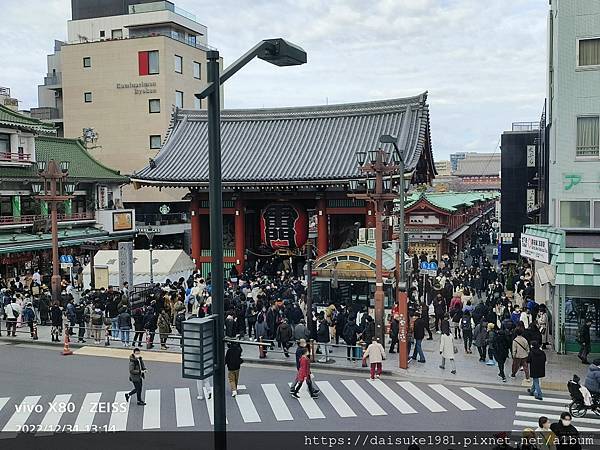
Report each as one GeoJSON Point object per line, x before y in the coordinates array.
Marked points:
{"type": "Point", "coordinates": [126, 263]}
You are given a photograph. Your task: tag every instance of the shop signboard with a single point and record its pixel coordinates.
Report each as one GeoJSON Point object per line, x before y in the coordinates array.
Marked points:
{"type": "Point", "coordinates": [535, 247]}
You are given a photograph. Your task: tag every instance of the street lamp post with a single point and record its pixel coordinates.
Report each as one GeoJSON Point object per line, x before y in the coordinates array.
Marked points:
{"type": "Point", "coordinates": [280, 53]}
{"type": "Point", "coordinates": [379, 166]}
{"type": "Point", "coordinates": [401, 295]}
{"type": "Point", "coordinates": [150, 233]}
{"type": "Point", "coordinates": [52, 190]}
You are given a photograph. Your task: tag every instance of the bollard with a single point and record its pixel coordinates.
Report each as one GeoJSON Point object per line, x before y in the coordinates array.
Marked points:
{"type": "Point", "coordinates": [66, 349]}
{"type": "Point", "coordinates": [107, 336]}
{"type": "Point", "coordinates": [261, 349]}
{"type": "Point", "coordinates": [148, 341]}
{"type": "Point", "coordinates": [35, 332]}
{"type": "Point", "coordinates": [312, 350]}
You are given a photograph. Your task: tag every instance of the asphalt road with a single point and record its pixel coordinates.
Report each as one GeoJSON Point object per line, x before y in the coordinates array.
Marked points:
{"type": "Point", "coordinates": [346, 403]}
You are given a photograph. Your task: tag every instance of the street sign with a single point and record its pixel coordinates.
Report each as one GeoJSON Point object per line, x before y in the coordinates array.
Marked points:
{"type": "Point", "coordinates": [65, 265]}
{"type": "Point", "coordinates": [428, 268]}
{"type": "Point", "coordinates": [66, 259]}
{"type": "Point", "coordinates": [197, 349]}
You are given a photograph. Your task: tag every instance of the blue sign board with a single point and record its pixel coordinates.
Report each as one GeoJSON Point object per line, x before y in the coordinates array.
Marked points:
{"type": "Point", "coordinates": [428, 265]}
{"type": "Point", "coordinates": [66, 259]}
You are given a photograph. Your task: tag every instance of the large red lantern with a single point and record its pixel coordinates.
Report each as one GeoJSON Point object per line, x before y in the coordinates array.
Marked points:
{"type": "Point", "coordinates": [283, 225]}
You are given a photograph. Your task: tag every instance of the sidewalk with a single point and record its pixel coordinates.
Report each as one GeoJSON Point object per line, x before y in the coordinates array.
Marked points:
{"type": "Point", "coordinates": [559, 368]}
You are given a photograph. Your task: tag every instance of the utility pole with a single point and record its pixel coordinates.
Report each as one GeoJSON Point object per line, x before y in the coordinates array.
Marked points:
{"type": "Point", "coordinates": [309, 284]}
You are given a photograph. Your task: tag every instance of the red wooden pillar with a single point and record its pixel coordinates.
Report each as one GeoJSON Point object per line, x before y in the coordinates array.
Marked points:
{"type": "Point", "coordinates": [370, 216]}
{"type": "Point", "coordinates": [240, 234]}
{"type": "Point", "coordinates": [196, 242]}
{"type": "Point", "coordinates": [322, 226]}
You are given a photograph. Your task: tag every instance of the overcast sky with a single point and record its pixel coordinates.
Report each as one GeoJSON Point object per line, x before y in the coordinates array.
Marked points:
{"type": "Point", "coordinates": [482, 61]}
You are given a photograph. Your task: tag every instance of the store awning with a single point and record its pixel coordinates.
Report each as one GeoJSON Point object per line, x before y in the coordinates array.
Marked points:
{"type": "Point", "coordinates": [455, 234]}
{"type": "Point", "coordinates": [15, 243]}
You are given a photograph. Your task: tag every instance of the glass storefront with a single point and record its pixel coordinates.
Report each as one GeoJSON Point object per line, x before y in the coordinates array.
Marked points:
{"type": "Point", "coordinates": [580, 304]}
{"type": "Point", "coordinates": [350, 292]}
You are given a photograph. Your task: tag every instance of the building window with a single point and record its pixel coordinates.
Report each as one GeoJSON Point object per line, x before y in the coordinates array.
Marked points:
{"type": "Point", "coordinates": [588, 136]}
{"type": "Point", "coordinates": [116, 34]}
{"type": "Point", "coordinates": [596, 214]}
{"type": "Point", "coordinates": [148, 62]}
{"type": "Point", "coordinates": [575, 214]}
{"type": "Point", "coordinates": [197, 70]}
{"type": "Point", "coordinates": [197, 103]}
{"type": "Point", "coordinates": [102, 33]}
{"type": "Point", "coordinates": [154, 105]}
{"type": "Point", "coordinates": [87, 97]}
{"type": "Point", "coordinates": [589, 52]}
{"type": "Point", "coordinates": [179, 99]}
{"type": "Point", "coordinates": [4, 143]}
{"type": "Point", "coordinates": [155, 141]}
{"type": "Point", "coordinates": [178, 64]}
{"type": "Point", "coordinates": [87, 61]}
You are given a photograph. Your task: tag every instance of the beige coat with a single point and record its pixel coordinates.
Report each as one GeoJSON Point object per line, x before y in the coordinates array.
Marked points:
{"type": "Point", "coordinates": [375, 352]}
{"type": "Point", "coordinates": [520, 347]}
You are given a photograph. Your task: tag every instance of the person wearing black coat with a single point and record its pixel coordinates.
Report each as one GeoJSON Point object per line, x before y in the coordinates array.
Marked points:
{"type": "Point", "coordinates": [394, 331]}
{"type": "Point", "coordinates": [368, 333]}
{"type": "Point", "coordinates": [439, 308]}
{"type": "Point", "coordinates": [323, 335]}
{"type": "Point", "coordinates": [425, 317]}
{"type": "Point", "coordinates": [284, 335]}
{"type": "Point", "coordinates": [502, 344]}
{"type": "Point", "coordinates": [233, 361]}
{"type": "Point", "coordinates": [584, 341]}
{"type": "Point", "coordinates": [81, 321]}
{"type": "Point", "coordinates": [537, 368]}
{"type": "Point", "coordinates": [419, 334]}
{"type": "Point", "coordinates": [150, 325]}
{"type": "Point", "coordinates": [56, 319]}
{"type": "Point", "coordinates": [138, 325]}
{"type": "Point", "coordinates": [564, 432]}
{"type": "Point", "coordinates": [350, 335]}
{"type": "Point", "coordinates": [340, 323]}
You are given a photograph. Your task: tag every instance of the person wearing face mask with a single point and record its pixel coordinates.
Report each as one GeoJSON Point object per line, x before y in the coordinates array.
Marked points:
{"type": "Point", "coordinates": [565, 433]}
{"type": "Point", "coordinates": [544, 434]}
{"type": "Point", "coordinates": [137, 372]}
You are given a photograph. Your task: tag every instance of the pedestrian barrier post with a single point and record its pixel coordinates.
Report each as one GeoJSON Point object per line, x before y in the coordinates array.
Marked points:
{"type": "Point", "coordinates": [312, 350]}
{"type": "Point", "coordinates": [66, 349]}
{"type": "Point", "coordinates": [261, 349]}
{"type": "Point", "coordinates": [147, 340]}
{"type": "Point", "coordinates": [107, 335]}
{"type": "Point", "coordinates": [35, 332]}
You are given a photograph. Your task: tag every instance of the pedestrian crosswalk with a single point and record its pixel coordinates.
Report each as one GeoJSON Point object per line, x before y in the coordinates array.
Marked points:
{"type": "Point", "coordinates": [178, 407]}
{"type": "Point", "coordinates": [529, 410]}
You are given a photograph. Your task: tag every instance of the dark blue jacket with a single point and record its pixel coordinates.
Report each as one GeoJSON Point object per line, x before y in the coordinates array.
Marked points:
{"type": "Point", "coordinates": [592, 379]}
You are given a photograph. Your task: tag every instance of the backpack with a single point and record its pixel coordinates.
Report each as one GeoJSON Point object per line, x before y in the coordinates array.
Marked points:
{"type": "Point", "coordinates": [465, 323]}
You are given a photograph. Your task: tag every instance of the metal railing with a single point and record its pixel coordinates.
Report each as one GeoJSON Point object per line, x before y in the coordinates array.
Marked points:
{"type": "Point", "coordinates": [30, 219]}
{"type": "Point", "coordinates": [16, 157]}
{"type": "Point", "coordinates": [163, 219]}
{"type": "Point", "coordinates": [525, 126]}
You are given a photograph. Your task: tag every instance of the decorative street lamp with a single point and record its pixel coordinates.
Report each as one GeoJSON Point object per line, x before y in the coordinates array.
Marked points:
{"type": "Point", "coordinates": [398, 159]}
{"type": "Point", "coordinates": [378, 192]}
{"type": "Point", "coordinates": [52, 190]}
{"type": "Point", "coordinates": [280, 53]}
{"type": "Point", "coordinates": [150, 232]}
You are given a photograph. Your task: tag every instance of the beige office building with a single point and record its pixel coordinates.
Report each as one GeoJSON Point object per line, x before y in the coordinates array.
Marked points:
{"type": "Point", "coordinates": [117, 79]}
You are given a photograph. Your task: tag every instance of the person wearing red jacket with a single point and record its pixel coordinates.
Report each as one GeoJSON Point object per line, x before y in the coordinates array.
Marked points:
{"type": "Point", "coordinates": [304, 375]}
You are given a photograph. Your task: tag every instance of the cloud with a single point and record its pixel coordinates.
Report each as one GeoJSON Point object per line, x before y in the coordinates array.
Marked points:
{"type": "Point", "coordinates": [483, 63]}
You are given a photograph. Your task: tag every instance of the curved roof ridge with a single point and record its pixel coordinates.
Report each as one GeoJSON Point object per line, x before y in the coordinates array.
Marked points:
{"type": "Point", "coordinates": [295, 112]}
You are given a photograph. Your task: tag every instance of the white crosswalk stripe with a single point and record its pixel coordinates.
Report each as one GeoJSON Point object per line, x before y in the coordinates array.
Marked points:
{"type": "Point", "coordinates": [483, 398]}
{"type": "Point", "coordinates": [452, 397]}
{"type": "Point", "coordinates": [210, 406]}
{"type": "Point", "coordinates": [183, 408]}
{"type": "Point", "coordinates": [247, 408]}
{"type": "Point", "coordinates": [396, 401]}
{"type": "Point", "coordinates": [421, 396]}
{"type": "Point", "coordinates": [280, 410]}
{"type": "Point", "coordinates": [54, 413]}
{"type": "Point", "coordinates": [22, 413]}
{"type": "Point", "coordinates": [87, 412]}
{"type": "Point", "coordinates": [336, 400]}
{"type": "Point", "coordinates": [120, 413]}
{"type": "Point", "coordinates": [348, 399]}
{"type": "Point", "coordinates": [308, 404]}
{"type": "Point", "coordinates": [3, 401]}
{"type": "Point", "coordinates": [151, 419]}
{"type": "Point", "coordinates": [363, 398]}
{"type": "Point", "coordinates": [529, 410]}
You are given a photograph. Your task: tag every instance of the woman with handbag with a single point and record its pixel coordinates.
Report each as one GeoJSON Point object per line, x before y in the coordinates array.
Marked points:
{"type": "Point", "coordinates": [447, 348]}
{"type": "Point", "coordinates": [375, 353]}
